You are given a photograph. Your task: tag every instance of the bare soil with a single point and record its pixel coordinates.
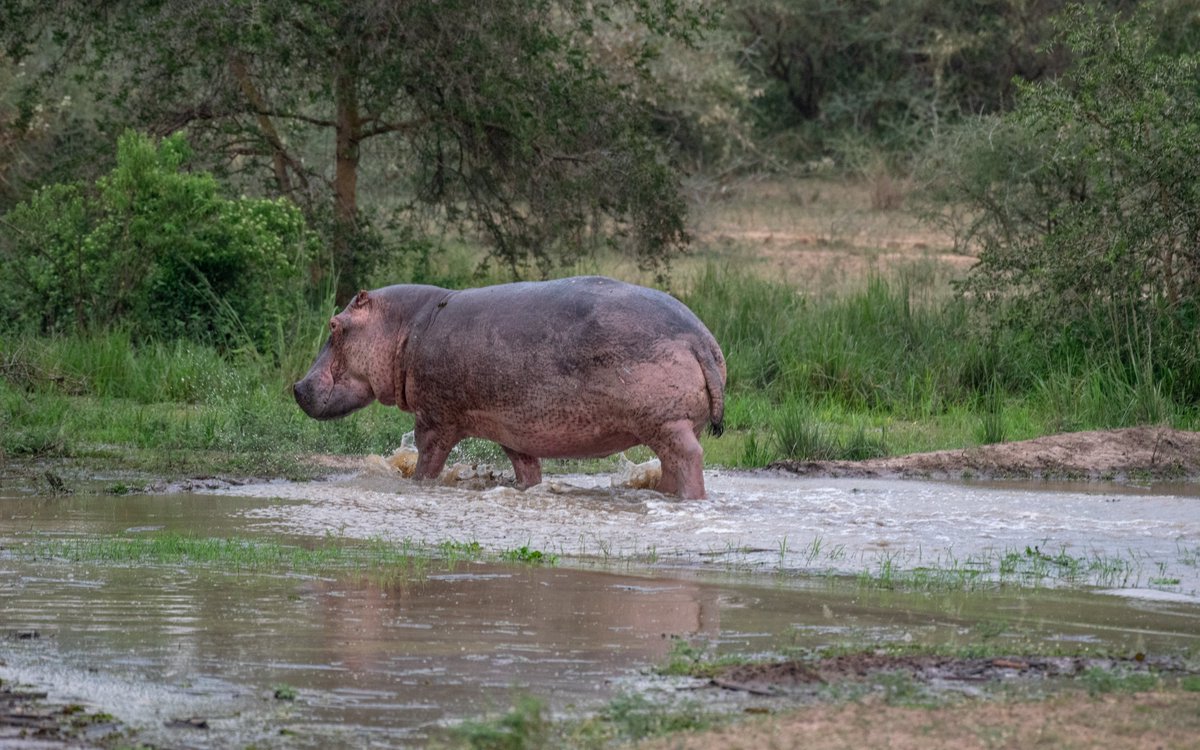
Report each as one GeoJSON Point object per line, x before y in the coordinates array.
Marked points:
{"type": "Point", "coordinates": [823, 235]}
{"type": "Point", "coordinates": [790, 677]}
{"type": "Point", "coordinates": [1134, 453]}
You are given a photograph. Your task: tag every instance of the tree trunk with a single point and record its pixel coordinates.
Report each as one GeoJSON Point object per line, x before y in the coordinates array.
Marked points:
{"type": "Point", "coordinates": [345, 180]}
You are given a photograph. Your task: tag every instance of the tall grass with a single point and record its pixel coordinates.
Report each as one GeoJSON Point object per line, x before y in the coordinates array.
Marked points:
{"type": "Point", "coordinates": [74, 395]}
{"type": "Point", "coordinates": [887, 346]}
{"type": "Point", "coordinates": [806, 374]}
{"type": "Point", "coordinates": [891, 368]}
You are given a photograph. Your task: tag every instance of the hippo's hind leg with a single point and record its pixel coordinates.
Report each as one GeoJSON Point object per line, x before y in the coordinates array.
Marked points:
{"type": "Point", "coordinates": [678, 448]}
{"type": "Point", "coordinates": [527, 468]}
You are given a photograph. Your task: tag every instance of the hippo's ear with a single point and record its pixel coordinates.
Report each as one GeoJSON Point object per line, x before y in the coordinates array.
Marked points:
{"type": "Point", "coordinates": [362, 298]}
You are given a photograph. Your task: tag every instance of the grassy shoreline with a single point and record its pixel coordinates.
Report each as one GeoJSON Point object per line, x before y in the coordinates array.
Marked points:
{"type": "Point", "coordinates": [888, 370]}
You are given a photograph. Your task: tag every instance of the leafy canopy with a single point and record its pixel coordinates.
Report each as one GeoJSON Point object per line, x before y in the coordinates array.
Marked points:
{"type": "Point", "coordinates": [511, 119]}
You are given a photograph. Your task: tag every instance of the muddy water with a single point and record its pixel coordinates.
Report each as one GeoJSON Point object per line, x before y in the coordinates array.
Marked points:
{"type": "Point", "coordinates": [1133, 541]}
{"type": "Point", "coordinates": [390, 663]}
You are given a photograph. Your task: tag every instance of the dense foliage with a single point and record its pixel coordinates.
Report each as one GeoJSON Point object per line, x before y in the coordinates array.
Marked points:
{"type": "Point", "coordinates": [1082, 201]}
{"type": "Point", "coordinates": [498, 117]}
{"type": "Point", "coordinates": [158, 250]}
{"type": "Point", "coordinates": [863, 79]}
{"type": "Point", "coordinates": [1061, 141]}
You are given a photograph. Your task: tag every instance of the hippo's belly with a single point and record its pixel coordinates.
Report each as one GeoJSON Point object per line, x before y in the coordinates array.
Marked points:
{"type": "Point", "coordinates": [550, 438]}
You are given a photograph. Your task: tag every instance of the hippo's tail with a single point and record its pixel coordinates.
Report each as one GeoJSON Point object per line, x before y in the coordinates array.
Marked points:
{"type": "Point", "coordinates": [712, 363]}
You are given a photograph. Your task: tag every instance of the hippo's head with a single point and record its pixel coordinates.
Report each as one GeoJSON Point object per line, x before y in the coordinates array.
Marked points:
{"type": "Point", "coordinates": [353, 368]}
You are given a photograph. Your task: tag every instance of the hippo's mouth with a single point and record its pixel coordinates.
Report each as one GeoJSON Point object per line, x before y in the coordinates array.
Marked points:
{"type": "Point", "coordinates": [322, 406]}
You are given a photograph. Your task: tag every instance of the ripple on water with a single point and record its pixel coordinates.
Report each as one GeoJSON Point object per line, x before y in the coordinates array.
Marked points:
{"type": "Point", "coordinates": [833, 524]}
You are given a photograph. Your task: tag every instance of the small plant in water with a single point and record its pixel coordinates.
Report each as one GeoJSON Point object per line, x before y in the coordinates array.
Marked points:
{"type": "Point", "coordinates": [683, 659]}
{"type": "Point", "coordinates": [901, 689]}
{"type": "Point", "coordinates": [524, 554]}
{"type": "Point", "coordinates": [525, 726]}
{"type": "Point", "coordinates": [634, 717]}
{"type": "Point", "coordinates": [285, 693]}
{"type": "Point", "coordinates": [452, 550]}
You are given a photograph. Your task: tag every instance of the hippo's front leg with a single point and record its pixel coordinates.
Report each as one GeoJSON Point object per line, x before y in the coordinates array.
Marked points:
{"type": "Point", "coordinates": [433, 448]}
{"type": "Point", "coordinates": [527, 468]}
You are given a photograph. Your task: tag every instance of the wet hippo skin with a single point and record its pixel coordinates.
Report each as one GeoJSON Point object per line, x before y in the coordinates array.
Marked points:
{"type": "Point", "coordinates": [572, 368]}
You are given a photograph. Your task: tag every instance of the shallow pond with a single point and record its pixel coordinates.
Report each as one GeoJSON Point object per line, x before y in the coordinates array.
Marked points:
{"type": "Point", "coordinates": [1132, 540]}
{"type": "Point", "coordinates": [754, 569]}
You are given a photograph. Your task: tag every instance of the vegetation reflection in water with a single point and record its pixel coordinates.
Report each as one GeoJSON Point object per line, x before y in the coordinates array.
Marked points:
{"type": "Point", "coordinates": [737, 623]}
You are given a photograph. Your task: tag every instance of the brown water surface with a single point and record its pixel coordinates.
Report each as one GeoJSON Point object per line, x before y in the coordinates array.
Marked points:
{"type": "Point", "coordinates": [391, 663]}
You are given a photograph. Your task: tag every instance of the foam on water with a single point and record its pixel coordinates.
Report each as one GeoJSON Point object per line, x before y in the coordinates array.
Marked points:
{"type": "Point", "coordinates": [1129, 540]}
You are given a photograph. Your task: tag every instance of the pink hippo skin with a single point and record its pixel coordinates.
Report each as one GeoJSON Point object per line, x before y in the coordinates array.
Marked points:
{"type": "Point", "coordinates": [577, 367]}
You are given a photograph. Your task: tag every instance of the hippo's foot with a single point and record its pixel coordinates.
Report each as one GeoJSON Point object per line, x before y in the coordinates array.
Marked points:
{"type": "Point", "coordinates": [527, 468]}
{"type": "Point", "coordinates": [682, 461]}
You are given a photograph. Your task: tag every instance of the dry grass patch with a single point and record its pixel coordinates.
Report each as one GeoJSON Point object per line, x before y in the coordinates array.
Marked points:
{"type": "Point", "coordinates": [821, 235]}
{"type": "Point", "coordinates": [1144, 720]}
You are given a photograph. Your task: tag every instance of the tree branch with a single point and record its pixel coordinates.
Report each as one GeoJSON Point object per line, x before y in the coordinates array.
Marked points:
{"type": "Point", "coordinates": [280, 157]}
{"type": "Point", "coordinates": [393, 127]}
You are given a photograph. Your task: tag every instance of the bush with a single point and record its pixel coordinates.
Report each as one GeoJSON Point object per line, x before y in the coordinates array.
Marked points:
{"type": "Point", "coordinates": [158, 250]}
{"type": "Point", "coordinates": [1081, 201]}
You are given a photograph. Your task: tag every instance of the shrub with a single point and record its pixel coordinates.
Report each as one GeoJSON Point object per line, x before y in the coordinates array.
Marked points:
{"type": "Point", "coordinates": [158, 250]}
{"type": "Point", "coordinates": [1081, 201]}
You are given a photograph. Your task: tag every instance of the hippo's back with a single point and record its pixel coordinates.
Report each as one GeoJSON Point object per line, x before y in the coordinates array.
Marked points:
{"type": "Point", "coordinates": [532, 363]}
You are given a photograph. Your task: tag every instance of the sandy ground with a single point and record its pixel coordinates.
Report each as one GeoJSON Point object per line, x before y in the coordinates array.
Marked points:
{"type": "Point", "coordinates": [1133, 453]}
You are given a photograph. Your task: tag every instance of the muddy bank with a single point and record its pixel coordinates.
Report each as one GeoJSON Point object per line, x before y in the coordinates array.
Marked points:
{"type": "Point", "coordinates": [1135, 453]}
{"type": "Point", "coordinates": [944, 673]}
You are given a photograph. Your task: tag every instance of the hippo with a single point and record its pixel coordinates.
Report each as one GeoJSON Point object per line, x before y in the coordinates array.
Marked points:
{"type": "Point", "coordinates": [571, 368]}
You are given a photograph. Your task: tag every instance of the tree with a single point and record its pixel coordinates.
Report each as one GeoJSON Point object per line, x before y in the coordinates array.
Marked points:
{"type": "Point", "coordinates": [892, 71]}
{"type": "Point", "coordinates": [494, 113]}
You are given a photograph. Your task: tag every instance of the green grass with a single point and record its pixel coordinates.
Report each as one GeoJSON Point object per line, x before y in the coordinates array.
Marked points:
{"type": "Point", "coordinates": [172, 405]}
{"type": "Point", "coordinates": [1098, 681]}
{"type": "Point", "coordinates": [524, 554]}
{"type": "Point", "coordinates": [895, 367]}
{"type": "Point", "coordinates": [1031, 567]}
{"type": "Point", "coordinates": [691, 660]}
{"type": "Point", "coordinates": [406, 558]}
{"type": "Point", "coordinates": [626, 718]}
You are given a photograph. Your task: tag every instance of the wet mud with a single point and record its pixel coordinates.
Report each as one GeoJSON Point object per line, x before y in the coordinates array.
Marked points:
{"type": "Point", "coordinates": [207, 655]}
{"type": "Point", "coordinates": [1130, 454]}
{"type": "Point", "coordinates": [938, 672]}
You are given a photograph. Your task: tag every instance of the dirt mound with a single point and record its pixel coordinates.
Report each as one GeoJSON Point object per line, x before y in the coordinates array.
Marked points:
{"type": "Point", "coordinates": [1131, 453]}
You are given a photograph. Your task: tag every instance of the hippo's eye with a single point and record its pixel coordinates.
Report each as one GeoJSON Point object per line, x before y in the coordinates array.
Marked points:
{"type": "Point", "coordinates": [333, 325]}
